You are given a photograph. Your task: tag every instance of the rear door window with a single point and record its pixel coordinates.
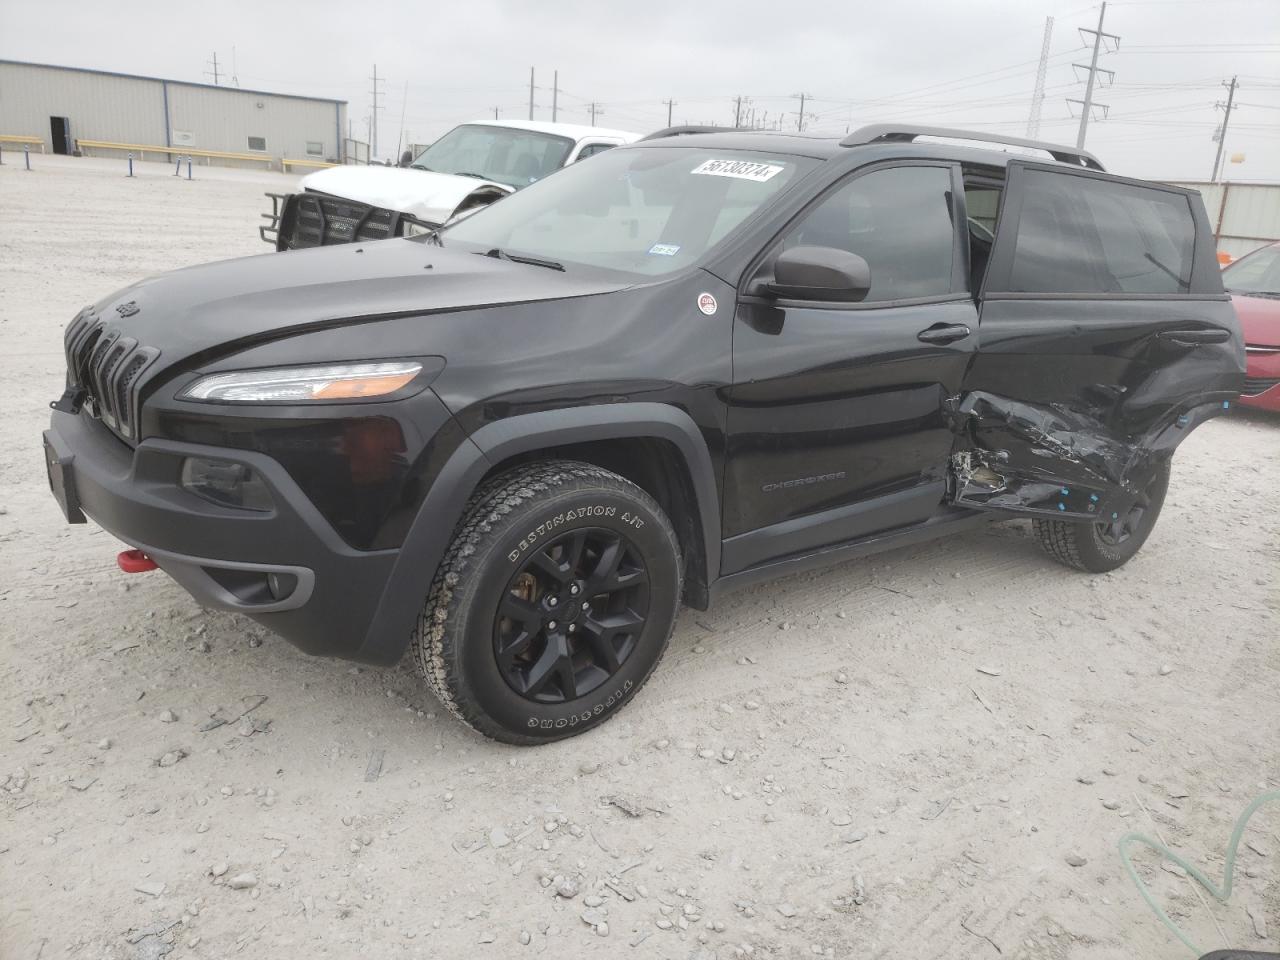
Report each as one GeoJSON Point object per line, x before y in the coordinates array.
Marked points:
{"type": "Point", "coordinates": [1079, 234]}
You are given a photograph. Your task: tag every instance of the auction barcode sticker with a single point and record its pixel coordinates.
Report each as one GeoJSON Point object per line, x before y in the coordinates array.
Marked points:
{"type": "Point", "coordinates": [739, 169]}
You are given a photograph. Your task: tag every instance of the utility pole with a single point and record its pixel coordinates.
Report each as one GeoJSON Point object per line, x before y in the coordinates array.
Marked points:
{"type": "Point", "coordinates": [800, 116]}
{"type": "Point", "coordinates": [670, 104]}
{"type": "Point", "coordinates": [373, 113]}
{"type": "Point", "coordinates": [1037, 98]}
{"type": "Point", "coordinates": [594, 108]}
{"type": "Point", "coordinates": [531, 93]}
{"type": "Point", "coordinates": [214, 72]}
{"type": "Point", "coordinates": [1086, 108]}
{"type": "Point", "coordinates": [1226, 119]}
{"type": "Point", "coordinates": [555, 94]}
{"type": "Point", "coordinates": [495, 112]}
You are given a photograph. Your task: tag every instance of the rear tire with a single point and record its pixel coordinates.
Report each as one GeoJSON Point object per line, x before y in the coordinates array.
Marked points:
{"type": "Point", "coordinates": [1101, 547]}
{"type": "Point", "coordinates": [552, 605]}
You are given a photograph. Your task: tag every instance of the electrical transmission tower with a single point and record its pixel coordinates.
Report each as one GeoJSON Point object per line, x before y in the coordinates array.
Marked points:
{"type": "Point", "coordinates": [1037, 98]}
{"type": "Point", "coordinates": [373, 114]}
{"type": "Point", "coordinates": [215, 73]}
{"type": "Point", "coordinates": [1221, 133]}
{"type": "Point", "coordinates": [800, 116]}
{"type": "Point", "coordinates": [1087, 104]}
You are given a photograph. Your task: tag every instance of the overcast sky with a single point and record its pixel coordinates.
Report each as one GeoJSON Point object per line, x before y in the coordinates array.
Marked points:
{"type": "Point", "coordinates": [970, 63]}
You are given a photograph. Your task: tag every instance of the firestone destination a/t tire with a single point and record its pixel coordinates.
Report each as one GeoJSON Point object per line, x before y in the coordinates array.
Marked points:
{"type": "Point", "coordinates": [553, 604]}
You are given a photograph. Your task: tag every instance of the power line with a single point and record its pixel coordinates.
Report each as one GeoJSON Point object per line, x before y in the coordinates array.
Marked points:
{"type": "Point", "coordinates": [1222, 132]}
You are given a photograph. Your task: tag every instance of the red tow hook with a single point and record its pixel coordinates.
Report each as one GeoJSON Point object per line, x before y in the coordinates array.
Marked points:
{"type": "Point", "coordinates": [135, 561]}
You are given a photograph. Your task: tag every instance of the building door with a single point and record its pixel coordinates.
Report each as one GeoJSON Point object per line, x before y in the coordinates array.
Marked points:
{"type": "Point", "coordinates": [60, 134]}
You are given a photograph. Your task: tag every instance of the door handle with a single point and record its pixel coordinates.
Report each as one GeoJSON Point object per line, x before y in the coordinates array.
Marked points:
{"type": "Point", "coordinates": [944, 333]}
{"type": "Point", "coordinates": [1193, 338]}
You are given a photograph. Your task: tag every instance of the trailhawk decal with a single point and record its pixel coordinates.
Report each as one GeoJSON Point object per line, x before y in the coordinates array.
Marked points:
{"type": "Point", "coordinates": [738, 169]}
{"type": "Point", "coordinates": [707, 304]}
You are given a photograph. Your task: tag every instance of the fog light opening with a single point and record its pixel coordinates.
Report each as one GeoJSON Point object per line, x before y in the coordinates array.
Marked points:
{"type": "Point", "coordinates": [226, 483]}
{"type": "Point", "coordinates": [281, 585]}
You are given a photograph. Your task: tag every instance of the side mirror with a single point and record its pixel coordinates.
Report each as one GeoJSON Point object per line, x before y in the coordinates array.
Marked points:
{"type": "Point", "coordinates": [820, 273]}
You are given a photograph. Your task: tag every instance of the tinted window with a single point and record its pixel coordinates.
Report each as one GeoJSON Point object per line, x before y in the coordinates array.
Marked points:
{"type": "Point", "coordinates": [898, 220]}
{"type": "Point", "coordinates": [257, 143]}
{"type": "Point", "coordinates": [1084, 235]}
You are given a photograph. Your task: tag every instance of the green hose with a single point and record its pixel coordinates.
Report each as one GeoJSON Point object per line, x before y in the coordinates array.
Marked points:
{"type": "Point", "coordinates": [1220, 895]}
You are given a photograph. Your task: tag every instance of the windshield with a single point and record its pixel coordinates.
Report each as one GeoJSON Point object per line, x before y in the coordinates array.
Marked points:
{"type": "Point", "coordinates": [1258, 273]}
{"type": "Point", "coordinates": [505, 155]}
{"type": "Point", "coordinates": [648, 211]}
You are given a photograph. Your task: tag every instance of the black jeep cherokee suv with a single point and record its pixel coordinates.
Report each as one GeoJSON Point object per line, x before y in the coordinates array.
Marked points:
{"type": "Point", "coordinates": [696, 362]}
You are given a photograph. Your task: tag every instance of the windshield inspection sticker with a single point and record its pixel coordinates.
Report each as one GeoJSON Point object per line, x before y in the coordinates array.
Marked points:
{"type": "Point", "coordinates": [707, 303]}
{"type": "Point", "coordinates": [738, 169]}
{"type": "Point", "coordinates": [664, 249]}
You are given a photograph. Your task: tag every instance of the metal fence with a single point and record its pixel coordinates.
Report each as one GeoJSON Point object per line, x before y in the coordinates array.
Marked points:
{"type": "Point", "coordinates": [355, 151]}
{"type": "Point", "coordinates": [1244, 216]}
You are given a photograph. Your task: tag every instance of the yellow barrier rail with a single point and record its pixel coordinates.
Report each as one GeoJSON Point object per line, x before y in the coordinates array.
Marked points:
{"type": "Point", "coordinates": [142, 149]}
{"type": "Point", "coordinates": [17, 138]}
{"type": "Point", "coordinates": [286, 163]}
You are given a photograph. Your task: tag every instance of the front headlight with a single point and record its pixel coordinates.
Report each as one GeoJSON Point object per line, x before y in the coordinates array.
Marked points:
{"type": "Point", "coordinates": [339, 381]}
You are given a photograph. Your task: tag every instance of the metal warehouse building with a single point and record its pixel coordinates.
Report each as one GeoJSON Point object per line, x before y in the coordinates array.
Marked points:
{"type": "Point", "coordinates": [63, 106]}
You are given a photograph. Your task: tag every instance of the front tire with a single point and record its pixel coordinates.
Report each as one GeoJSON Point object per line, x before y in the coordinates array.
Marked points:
{"type": "Point", "coordinates": [553, 604]}
{"type": "Point", "coordinates": [1110, 544]}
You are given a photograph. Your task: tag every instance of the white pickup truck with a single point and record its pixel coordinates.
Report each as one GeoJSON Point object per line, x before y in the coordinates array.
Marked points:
{"type": "Point", "coordinates": [470, 166]}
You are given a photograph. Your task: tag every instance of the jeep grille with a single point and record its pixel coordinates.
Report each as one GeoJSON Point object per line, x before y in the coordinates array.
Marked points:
{"type": "Point", "coordinates": [106, 364]}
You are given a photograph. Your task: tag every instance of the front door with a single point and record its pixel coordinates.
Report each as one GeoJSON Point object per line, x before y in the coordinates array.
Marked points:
{"type": "Point", "coordinates": [1106, 337]}
{"type": "Point", "coordinates": [837, 425]}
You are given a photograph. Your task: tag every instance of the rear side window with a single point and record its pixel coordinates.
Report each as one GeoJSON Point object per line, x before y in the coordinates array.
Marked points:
{"type": "Point", "coordinates": [1085, 235]}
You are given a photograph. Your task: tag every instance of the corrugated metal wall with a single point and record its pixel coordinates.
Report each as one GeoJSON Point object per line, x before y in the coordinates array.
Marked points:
{"type": "Point", "coordinates": [101, 106]}
{"type": "Point", "coordinates": [225, 119]}
{"type": "Point", "coordinates": [1245, 216]}
{"type": "Point", "coordinates": [123, 109]}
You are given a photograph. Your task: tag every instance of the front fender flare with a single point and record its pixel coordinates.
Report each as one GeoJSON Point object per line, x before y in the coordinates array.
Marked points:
{"type": "Point", "coordinates": [438, 517]}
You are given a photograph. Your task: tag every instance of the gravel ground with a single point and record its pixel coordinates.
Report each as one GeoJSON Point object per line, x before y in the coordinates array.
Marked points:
{"type": "Point", "coordinates": [928, 754]}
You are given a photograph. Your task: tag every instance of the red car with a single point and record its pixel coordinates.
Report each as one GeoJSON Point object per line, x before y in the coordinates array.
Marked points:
{"type": "Point", "coordinates": [1254, 284]}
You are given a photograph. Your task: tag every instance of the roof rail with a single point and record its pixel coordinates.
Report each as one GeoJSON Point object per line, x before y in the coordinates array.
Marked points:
{"type": "Point", "coordinates": [906, 133]}
{"type": "Point", "coordinates": [684, 131]}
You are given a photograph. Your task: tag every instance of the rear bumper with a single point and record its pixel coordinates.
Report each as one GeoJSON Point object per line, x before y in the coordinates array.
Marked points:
{"type": "Point", "coordinates": [1262, 380]}
{"type": "Point", "coordinates": [223, 556]}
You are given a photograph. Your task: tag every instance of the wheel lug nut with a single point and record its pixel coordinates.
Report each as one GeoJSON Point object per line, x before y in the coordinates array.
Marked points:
{"type": "Point", "coordinates": [574, 590]}
{"type": "Point", "coordinates": [586, 608]}
{"type": "Point", "coordinates": [573, 627]}
{"type": "Point", "coordinates": [551, 624]}
{"type": "Point", "coordinates": [552, 602]}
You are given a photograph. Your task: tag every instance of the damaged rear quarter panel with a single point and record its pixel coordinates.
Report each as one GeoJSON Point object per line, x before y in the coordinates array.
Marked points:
{"type": "Point", "coordinates": [1071, 404]}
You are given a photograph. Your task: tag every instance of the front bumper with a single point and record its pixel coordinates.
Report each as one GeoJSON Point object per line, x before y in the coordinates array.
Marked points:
{"type": "Point", "coordinates": [221, 555]}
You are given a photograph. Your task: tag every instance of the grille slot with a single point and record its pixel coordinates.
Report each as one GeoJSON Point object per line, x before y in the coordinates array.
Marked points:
{"type": "Point", "coordinates": [108, 366]}
{"type": "Point", "coordinates": [317, 219]}
{"type": "Point", "coordinates": [1256, 385]}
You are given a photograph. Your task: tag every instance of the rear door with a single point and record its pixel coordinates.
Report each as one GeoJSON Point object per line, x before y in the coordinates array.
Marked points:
{"type": "Point", "coordinates": [1105, 338]}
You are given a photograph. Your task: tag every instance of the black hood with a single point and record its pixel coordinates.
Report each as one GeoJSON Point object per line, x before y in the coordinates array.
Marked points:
{"type": "Point", "coordinates": [206, 310]}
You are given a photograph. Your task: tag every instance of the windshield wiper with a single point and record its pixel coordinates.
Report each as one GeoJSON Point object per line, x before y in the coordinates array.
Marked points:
{"type": "Point", "coordinates": [474, 176]}
{"type": "Point", "coordinates": [521, 258]}
{"type": "Point", "coordinates": [420, 166]}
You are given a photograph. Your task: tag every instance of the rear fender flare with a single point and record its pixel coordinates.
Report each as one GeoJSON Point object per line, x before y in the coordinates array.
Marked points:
{"type": "Point", "coordinates": [432, 529]}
